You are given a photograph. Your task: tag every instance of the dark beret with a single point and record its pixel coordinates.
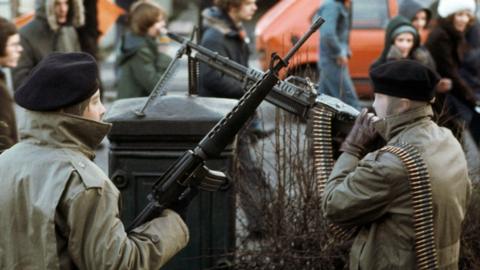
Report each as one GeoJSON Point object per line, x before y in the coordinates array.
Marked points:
{"type": "Point", "coordinates": [406, 79]}
{"type": "Point", "coordinates": [58, 81]}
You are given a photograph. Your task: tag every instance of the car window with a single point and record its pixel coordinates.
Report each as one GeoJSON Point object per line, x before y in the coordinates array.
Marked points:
{"type": "Point", "coordinates": [370, 14]}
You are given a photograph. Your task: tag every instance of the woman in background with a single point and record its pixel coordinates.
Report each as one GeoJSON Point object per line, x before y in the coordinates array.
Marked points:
{"type": "Point", "coordinates": [402, 41]}
{"type": "Point", "coordinates": [10, 51]}
{"type": "Point", "coordinates": [447, 46]}
{"type": "Point", "coordinates": [140, 62]}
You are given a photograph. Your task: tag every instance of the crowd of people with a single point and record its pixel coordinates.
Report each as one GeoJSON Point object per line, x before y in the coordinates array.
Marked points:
{"type": "Point", "coordinates": [63, 211]}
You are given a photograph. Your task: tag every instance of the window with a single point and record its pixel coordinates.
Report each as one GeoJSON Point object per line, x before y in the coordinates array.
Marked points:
{"type": "Point", "coordinates": [370, 14]}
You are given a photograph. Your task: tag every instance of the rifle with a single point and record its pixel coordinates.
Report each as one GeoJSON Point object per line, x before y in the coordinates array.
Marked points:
{"type": "Point", "coordinates": [295, 95]}
{"type": "Point", "coordinates": [189, 171]}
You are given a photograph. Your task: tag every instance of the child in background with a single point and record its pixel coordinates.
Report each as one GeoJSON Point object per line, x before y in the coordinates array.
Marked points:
{"type": "Point", "coordinates": [140, 63]}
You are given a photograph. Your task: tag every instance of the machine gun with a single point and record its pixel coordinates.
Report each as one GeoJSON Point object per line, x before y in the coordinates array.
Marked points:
{"type": "Point", "coordinates": [295, 95]}
{"type": "Point", "coordinates": [189, 171]}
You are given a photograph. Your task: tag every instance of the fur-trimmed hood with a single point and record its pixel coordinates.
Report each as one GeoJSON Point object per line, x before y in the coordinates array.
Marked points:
{"type": "Point", "coordinates": [45, 9]}
{"type": "Point", "coordinates": [393, 25]}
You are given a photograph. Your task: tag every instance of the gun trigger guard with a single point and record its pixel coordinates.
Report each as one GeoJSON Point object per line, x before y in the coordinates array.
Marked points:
{"type": "Point", "coordinates": [212, 180]}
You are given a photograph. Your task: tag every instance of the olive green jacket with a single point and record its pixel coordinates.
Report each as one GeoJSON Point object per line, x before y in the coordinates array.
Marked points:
{"type": "Point", "coordinates": [140, 66]}
{"type": "Point", "coordinates": [60, 211]}
{"type": "Point", "coordinates": [373, 193]}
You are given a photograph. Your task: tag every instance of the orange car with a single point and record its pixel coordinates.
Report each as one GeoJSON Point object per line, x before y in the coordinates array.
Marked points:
{"type": "Point", "coordinates": [284, 24]}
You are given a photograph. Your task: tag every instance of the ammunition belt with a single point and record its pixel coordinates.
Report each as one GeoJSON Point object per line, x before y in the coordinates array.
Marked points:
{"type": "Point", "coordinates": [323, 162]}
{"type": "Point", "coordinates": [420, 186]}
{"type": "Point", "coordinates": [421, 198]}
{"type": "Point", "coordinates": [322, 145]}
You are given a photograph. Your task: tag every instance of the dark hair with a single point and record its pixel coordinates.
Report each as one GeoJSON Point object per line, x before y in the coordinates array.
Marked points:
{"type": "Point", "coordinates": [144, 14]}
{"type": "Point", "coordinates": [227, 4]}
{"type": "Point", "coordinates": [7, 29]}
{"type": "Point", "coordinates": [77, 109]}
{"type": "Point", "coordinates": [451, 20]}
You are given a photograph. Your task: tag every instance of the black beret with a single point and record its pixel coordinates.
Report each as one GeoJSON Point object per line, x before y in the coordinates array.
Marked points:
{"type": "Point", "coordinates": [58, 81]}
{"type": "Point", "coordinates": [406, 79]}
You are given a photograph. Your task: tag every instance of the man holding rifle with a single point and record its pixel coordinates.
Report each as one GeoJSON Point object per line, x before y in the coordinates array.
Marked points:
{"type": "Point", "coordinates": [408, 199]}
{"type": "Point", "coordinates": [59, 210]}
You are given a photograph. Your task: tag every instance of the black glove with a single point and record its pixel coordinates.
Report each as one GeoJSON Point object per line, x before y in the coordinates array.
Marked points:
{"type": "Point", "coordinates": [362, 136]}
{"type": "Point", "coordinates": [181, 206]}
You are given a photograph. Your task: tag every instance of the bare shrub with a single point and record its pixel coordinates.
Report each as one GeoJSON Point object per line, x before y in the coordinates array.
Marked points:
{"type": "Point", "coordinates": [295, 236]}
{"type": "Point", "coordinates": [470, 243]}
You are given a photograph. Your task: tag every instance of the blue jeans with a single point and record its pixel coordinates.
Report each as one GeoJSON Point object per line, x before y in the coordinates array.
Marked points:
{"type": "Point", "coordinates": [335, 81]}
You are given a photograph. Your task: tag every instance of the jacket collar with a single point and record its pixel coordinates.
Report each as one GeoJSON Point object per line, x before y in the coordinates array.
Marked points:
{"type": "Point", "coordinates": [391, 125]}
{"type": "Point", "coordinates": [61, 130]}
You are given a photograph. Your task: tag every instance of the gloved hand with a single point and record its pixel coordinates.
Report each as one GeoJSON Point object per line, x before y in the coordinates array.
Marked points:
{"type": "Point", "coordinates": [181, 206]}
{"type": "Point", "coordinates": [362, 136]}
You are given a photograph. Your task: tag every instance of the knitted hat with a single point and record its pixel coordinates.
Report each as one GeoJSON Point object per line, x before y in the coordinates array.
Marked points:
{"type": "Point", "coordinates": [449, 7]}
{"type": "Point", "coordinates": [58, 81]}
{"type": "Point", "coordinates": [406, 79]}
{"type": "Point", "coordinates": [404, 29]}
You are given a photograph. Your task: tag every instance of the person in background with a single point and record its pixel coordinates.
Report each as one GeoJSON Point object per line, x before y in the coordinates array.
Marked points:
{"type": "Point", "coordinates": [10, 51]}
{"type": "Point", "coordinates": [224, 33]}
{"type": "Point", "coordinates": [402, 41]}
{"type": "Point", "coordinates": [370, 188]}
{"type": "Point", "coordinates": [140, 63]}
{"type": "Point", "coordinates": [470, 69]}
{"type": "Point", "coordinates": [418, 14]}
{"type": "Point", "coordinates": [446, 44]}
{"type": "Point", "coordinates": [60, 210]}
{"type": "Point", "coordinates": [335, 51]}
{"type": "Point", "coordinates": [52, 30]}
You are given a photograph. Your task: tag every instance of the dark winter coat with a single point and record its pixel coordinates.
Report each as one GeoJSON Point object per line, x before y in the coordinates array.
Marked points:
{"type": "Point", "coordinates": [8, 126]}
{"type": "Point", "coordinates": [89, 33]}
{"type": "Point", "coordinates": [44, 35]}
{"type": "Point", "coordinates": [470, 69]}
{"type": "Point", "coordinates": [390, 52]}
{"type": "Point", "coordinates": [223, 36]}
{"type": "Point", "coordinates": [447, 47]}
{"type": "Point", "coordinates": [140, 65]}
{"type": "Point", "coordinates": [374, 194]}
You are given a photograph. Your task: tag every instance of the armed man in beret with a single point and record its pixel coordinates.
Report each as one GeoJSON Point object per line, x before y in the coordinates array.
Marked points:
{"type": "Point", "coordinates": [59, 210]}
{"type": "Point", "coordinates": [370, 190]}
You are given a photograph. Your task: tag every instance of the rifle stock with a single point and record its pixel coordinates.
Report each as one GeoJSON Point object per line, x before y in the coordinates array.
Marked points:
{"type": "Point", "coordinates": [187, 170]}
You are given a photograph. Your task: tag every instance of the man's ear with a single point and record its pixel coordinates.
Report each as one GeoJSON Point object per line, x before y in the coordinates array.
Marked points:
{"type": "Point", "coordinates": [405, 105]}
